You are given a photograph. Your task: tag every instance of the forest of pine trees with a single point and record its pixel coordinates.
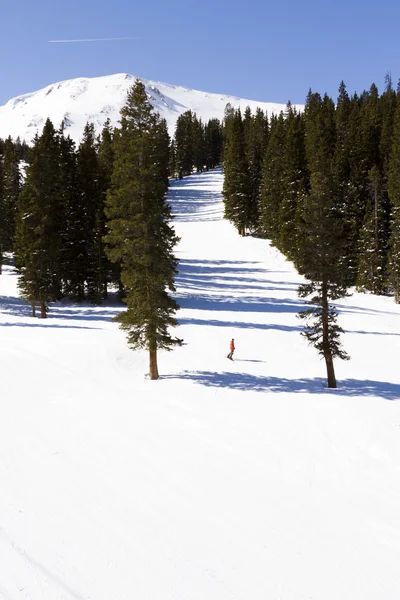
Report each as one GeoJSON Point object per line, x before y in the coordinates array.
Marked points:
{"type": "Point", "coordinates": [87, 219]}
{"type": "Point", "coordinates": [324, 186]}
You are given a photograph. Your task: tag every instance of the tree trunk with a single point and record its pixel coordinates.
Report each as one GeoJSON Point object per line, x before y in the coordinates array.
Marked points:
{"type": "Point", "coordinates": [43, 311]}
{"type": "Point", "coordinates": [33, 304]}
{"type": "Point", "coordinates": [153, 361]}
{"type": "Point", "coordinates": [330, 371]}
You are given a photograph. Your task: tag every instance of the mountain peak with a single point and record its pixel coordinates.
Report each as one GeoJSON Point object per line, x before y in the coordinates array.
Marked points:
{"type": "Point", "coordinates": [95, 99]}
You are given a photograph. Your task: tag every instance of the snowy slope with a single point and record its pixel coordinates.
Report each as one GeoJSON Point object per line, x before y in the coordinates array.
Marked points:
{"type": "Point", "coordinates": [77, 101]}
{"type": "Point", "coordinates": [222, 480]}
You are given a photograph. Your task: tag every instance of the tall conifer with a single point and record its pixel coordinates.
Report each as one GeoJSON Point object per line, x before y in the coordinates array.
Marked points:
{"type": "Point", "coordinates": [320, 256]}
{"type": "Point", "coordinates": [140, 236]}
{"type": "Point", "coordinates": [39, 225]}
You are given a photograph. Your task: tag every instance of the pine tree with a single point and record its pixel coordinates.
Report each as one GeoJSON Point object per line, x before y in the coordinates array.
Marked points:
{"type": "Point", "coordinates": [72, 219]}
{"type": "Point", "coordinates": [139, 234]}
{"type": "Point", "coordinates": [236, 188]}
{"type": "Point", "coordinates": [272, 185]}
{"type": "Point", "coordinates": [38, 252]}
{"type": "Point", "coordinates": [255, 157]}
{"type": "Point", "coordinates": [10, 184]}
{"type": "Point", "coordinates": [172, 161]}
{"type": "Point", "coordinates": [106, 157]}
{"type": "Point", "coordinates": [295, 183]}
{"type": "Point", "coordinates": [374, 238]}
{"type": "Point", "coordinates": [92, 200]}
{"type": "Point", "coordinates": [321, 247]}
{"type": "Point", "coordinates": [184, 143]}
{"type": "Point", "coordinates": [213, 143]}
{"type": "Point", "coordinates": [198, 145]}
{"type": "Point", "coordinates": [394, 194]}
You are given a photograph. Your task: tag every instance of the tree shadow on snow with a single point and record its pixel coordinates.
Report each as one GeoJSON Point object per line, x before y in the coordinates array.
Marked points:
{"type": "Point", "coordinates": [190, 205]}
{"type": "Point", "coordinates": [238, 324]}
{"type": "Point", "coordinates": [43, 323]}
{"type": "Point", "coordinates": [18, 307]}
{"type": "Point", "coordinates": [247, 382]}
{"type": "Point", "coordinates": [240, 304]}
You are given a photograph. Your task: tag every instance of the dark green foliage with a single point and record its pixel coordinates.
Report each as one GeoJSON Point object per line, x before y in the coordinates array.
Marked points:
{"type": "Point", "coordinates": [255, 157]}
{"type": "Point", "coordinates": [320, 255]}
{"type": "Point", "coordinates": [73, 234]}
{"type": "Point", "coordinates": [272, 187]}
{"type": "Point", "coordinates": [172, 171]}
{"type": "Point", "coordinates": [195, 146]}
{"type": "Point", "coordinates": [374, 238]}
{"type": "Point", "coordinates": [10, 185]}
{"type": "Point", "coordinates": [394, 194]}
{"type": "Point", "coordinates": [295, 184]}
{"type": "Point", "coordinates": [236, 189]}
{"type": "Point", "coordinates": [185, 144]}
{"type": "Point", "coordinates": [38, 240]}
{"type": "Point", "coordinates": [109, 272]}
{"type": "Point", "coordinates": [91, 189]}
{"type": "Point", "coordinates": [213, 143]}
{"type": "Point", "coordinates": [140, 237]}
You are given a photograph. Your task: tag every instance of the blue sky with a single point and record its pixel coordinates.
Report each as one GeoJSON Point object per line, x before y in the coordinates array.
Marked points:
{"type": "Point", "coordinates": [261, 50]}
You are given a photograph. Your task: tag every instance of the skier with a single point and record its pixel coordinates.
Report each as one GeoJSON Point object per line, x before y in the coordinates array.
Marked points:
{"type": "Point", "coordinates": [232, 349]}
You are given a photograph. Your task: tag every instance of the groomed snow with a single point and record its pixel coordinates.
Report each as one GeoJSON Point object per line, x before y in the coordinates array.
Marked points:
{"type": "Point", "coordinates": [222, 480]}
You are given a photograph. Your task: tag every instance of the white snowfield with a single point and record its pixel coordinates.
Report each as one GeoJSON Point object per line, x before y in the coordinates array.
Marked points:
{"type": "Point", "coordinates": [78, 101]}
{"type": "Point", "coordinates": [222, 480]}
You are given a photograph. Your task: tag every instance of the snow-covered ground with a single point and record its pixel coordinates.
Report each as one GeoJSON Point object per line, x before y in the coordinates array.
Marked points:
{"type": "Point", "coordinates": [94, 99]}
{"type": "Point", "coordinates": [222, 480]}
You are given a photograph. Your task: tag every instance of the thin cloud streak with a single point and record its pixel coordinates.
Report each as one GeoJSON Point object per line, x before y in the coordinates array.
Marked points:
{"type": "Point", "coordinates": [112, 39]}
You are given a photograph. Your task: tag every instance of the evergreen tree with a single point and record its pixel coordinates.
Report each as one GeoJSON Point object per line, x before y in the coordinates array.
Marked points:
{"type": "Point", "coordinates": [295, 183]}
{"type": "Point", "coordinates": [320, 254]}
{"type": "Point", "coordinates": [10, 184]}
{"type": "Point", "coordinates": [394, 194]}
{"type": "Point", "coordinates": [72, 219]}
{"type": "Point", "coordinates": [38, 252]}
{"type": "Point", "coordinates": [213, 143]}
{"type": "Point", "coordinates": [198, 144]}
{"type": "Point", "coordinates": [92, 201]}
{"type": "Point", "coordinates": [255, 157]}
{"type": "Point", "coordinates": [139, 234]}
{"type": "Point", "coordinates": [172, 171]}
{"type": "Point", "coordinates": [374, 238]}
{"type": "Point", "coordinates": [106, 156]}
{"type": "Point", "coordinates": [184, 143]}
{"type": "Point", "coordinates": [236, 188]}
{"type": "Point", "coordinates": [272, 185]}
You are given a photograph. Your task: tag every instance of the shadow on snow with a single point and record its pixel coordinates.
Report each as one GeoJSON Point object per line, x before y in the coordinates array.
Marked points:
{"type": "Point", "coordinates": [247, 382]}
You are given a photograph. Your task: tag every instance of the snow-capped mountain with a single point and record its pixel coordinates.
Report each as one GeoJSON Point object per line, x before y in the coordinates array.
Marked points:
{"type": "Point", "coordinates": [77, 101]}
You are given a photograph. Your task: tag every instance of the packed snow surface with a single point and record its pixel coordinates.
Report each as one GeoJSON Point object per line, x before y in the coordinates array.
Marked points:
{"type": "Point", "coordinates": [222, 480]}
{"type": "Point", "coordinates": [78, 101]}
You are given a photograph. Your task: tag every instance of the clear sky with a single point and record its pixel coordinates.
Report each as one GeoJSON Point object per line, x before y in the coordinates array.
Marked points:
{"type": "Point", "coordinates": [258, 49]}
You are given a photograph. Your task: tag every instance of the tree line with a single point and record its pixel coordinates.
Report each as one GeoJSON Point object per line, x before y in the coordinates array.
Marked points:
{"type": "Point", "coordinates": [324, 186]}
{"type": "Point", "coordinates": [92, 217]}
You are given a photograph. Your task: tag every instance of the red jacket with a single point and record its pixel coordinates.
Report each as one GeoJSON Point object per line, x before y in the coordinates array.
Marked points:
{"type": "Point", "coordinates": [232, 346]}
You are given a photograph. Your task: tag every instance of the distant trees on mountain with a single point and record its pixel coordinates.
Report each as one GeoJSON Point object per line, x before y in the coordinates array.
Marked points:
{"type": "Point", "coordinates": [324, 186]}
{"type": "Point", "coordinates": [196, 146]}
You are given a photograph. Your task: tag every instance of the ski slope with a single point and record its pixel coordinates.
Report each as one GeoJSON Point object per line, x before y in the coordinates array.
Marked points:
{"type": "Point", "coordinates": [244, 480]}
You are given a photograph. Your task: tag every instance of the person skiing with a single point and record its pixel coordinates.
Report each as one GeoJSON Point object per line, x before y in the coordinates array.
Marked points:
{"type": "Point", "coordinates": [232, 349]}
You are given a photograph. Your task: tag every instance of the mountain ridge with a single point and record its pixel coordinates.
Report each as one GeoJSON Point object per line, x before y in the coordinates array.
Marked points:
{"type": "Point", "coordinates": [94, 99]}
